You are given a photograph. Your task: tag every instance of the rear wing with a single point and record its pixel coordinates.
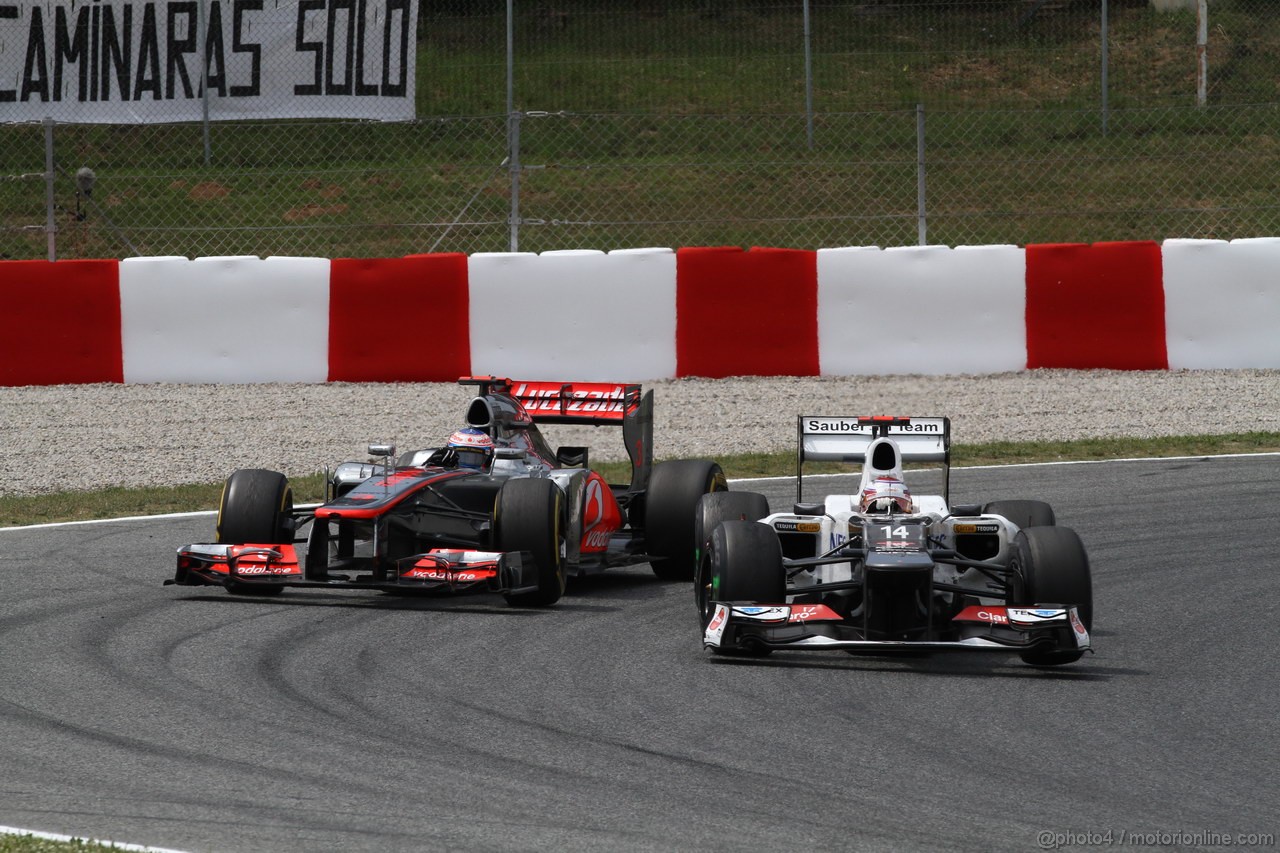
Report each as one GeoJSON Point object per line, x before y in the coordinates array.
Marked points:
{"type": "Point", "coordinates": [508, 402]}
{"type": "Point", "coordinates": [825, 438]}
{"type": "Point", "coordinates": [598, 403]}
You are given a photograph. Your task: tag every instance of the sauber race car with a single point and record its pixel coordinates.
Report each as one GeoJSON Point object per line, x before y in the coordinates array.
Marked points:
{"type": "Point", "coordinates": [885, 570]}
{"type": "Point", "coordinates": [498, 509]}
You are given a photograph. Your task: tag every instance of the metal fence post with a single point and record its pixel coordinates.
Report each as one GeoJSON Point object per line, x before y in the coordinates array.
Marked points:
{"type": "Point", "coordinates": [50, 223]}
{"type": "Point", "coordinates": [808, 76]}
{"type": "Point", "coordinates": [511, 57]}
{"type": "Point", "coordinates": [202, 30]}
{"type": "Point", "coordinates": [922, 227]}
{"type": "Point", "coordinates": [513, 155]}
{"type": "Point", "coordinates": [513, 132]}
{"type": "Point", "coordinates": [1202, 52]}
{"type": "Point", "coordinates": [1104, 26]}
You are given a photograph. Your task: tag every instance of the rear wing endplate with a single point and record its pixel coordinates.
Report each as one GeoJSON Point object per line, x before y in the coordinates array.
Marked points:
{"type": "Point", "coordinates": [828, 438]}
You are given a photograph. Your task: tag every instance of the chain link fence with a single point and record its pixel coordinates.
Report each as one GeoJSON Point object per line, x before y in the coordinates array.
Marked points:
{"type": "Point", "coordinates": [627, 123]}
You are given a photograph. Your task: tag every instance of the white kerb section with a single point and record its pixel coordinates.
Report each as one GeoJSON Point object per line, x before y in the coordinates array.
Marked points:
{"type": "Point", "coordinates": [225, 320]}
{"type": "Point", "coordinates": [577, 314]}
{"type": "Point", "coordinates": [1222, 303]}
{"type": "Point", "coordinates": [922, 309]}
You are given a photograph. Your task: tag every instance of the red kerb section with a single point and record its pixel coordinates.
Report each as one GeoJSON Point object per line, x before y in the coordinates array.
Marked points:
{"type": "Point", "coordinates": [1098, 306]}
{"type": "Point", "coordinates": [399, 319]}
{"type": "Point", "coordinates": [742, 313]}
{"type": "Point", "coordinates": [60, 322]}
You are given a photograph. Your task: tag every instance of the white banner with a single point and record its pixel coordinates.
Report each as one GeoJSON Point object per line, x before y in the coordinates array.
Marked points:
{"type": "Point", "coordinates": [139, 61]}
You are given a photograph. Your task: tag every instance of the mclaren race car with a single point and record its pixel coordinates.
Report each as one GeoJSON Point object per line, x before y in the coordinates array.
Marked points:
{"type": "Point", "coordinates": [517, 518]}
{"type": "Point", "coordinates": [886, 570]}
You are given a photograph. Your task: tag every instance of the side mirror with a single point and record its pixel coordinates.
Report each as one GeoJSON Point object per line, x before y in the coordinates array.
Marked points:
{"type": "Point", "coordinates": [382, 450]}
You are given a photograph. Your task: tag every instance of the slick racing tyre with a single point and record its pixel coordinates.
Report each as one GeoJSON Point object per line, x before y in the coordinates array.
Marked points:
{"type": "Point", "coordinates": [712, 509]}
{"type": "Point", "coordinates": [671, 503]}
{"type": "Point", "coordinates": [528, 515]}
{"type": "Point", "coordinates": [256, 507]}
{"type": "Point", "coordinates": [1050, 567]}
{"type": "Point", "coordinates": [744, 562]}
{"type": "Point", "coordinates": [1023, 513]}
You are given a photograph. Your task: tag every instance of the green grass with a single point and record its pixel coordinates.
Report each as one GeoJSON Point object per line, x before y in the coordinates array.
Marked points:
{"type": "Point", "coordinates": [607, 181]}
{"type": "Point", "coordinates": [31, 844]}
{"type": "Point", "coordinates": [701, 56]}
{"type": "Point", "coordinates": [686, 127]}
{"type": "Point", "coordinates": [120, 503]}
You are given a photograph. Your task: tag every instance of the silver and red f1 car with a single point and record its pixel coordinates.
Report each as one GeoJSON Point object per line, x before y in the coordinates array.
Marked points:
{"type": "Point", "coordinates": [884, 570]}
{"type": "Point", "coordinates": [519, 525]}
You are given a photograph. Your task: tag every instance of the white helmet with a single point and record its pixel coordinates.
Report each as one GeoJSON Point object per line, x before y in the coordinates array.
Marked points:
{"type": "Point", "coordinates": [886, 495]}
{"type": "Point", "coordinates": [473, 446]}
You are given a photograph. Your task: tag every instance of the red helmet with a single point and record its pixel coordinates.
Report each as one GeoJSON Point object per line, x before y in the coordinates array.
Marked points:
{"type": "Point", "coordinates": [886, 495]}
{"type": "Point", "coordinates": [474, 448]}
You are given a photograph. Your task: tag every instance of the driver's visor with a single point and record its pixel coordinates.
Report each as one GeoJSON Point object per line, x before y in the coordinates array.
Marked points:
{"type": "Point", "coordinates": [472, 458]}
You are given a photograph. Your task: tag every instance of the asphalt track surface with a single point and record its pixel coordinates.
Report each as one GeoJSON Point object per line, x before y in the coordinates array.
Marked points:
{"type": "Point", "coordinates": [326, 721]}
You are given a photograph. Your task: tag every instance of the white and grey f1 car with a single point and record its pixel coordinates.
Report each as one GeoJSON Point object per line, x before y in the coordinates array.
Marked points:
{"type": "Point", "coordinates": [884, 570]}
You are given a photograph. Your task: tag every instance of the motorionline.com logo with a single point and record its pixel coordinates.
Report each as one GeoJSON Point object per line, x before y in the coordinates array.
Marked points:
{"type": "Point", "coordinates": [1050, 840]}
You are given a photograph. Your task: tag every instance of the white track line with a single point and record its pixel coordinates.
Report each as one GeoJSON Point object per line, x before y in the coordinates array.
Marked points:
{"type": "Point", "coordinates": [734, 480]}
{"type": "Point", "coordinates": [1037, 464]}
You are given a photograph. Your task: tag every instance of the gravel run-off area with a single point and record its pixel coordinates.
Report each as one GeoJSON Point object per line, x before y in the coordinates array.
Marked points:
{"type": "Point", "coordinates": [83, 437]}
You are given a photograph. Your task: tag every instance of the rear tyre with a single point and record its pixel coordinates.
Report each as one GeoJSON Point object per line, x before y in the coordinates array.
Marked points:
{"type": "Point", "coordinates": [528, 516]}
{"type": "Point", "coordinates": [712, 509]}
{"type": "Point", "coordinates": [256, 507]}
{"type": "Point", "coordinates": [745, 564]}
{"type": "Point", "coordinates": [1050, 567]}
{"type": "Point", "coordinates": [1023, 513]}
{"type": "Point", "coordinates": [671, 505]}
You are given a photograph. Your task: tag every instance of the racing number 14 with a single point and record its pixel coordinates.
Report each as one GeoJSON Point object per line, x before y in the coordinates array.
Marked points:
{"type": "Point", "coordinates": [903, 536]}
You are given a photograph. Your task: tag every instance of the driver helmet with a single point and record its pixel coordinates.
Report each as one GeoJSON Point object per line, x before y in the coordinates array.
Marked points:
{"type": "Point", "coordinates": [474, 448]}
{"type": "Point", "coordinates": [886, 495]}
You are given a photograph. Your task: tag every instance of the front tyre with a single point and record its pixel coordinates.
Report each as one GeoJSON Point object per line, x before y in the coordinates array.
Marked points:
{"type": "Point", "coordinates": [713, 509]}
{"type": "Point", "coordinates": [256, 508]}
{"type": "Point", "coordinates": [1050, 567]}
{"type": "Point", "coordinates": [670, 513]}
{"type": "Point", "coordinates": [529, 516]}
{"type": "Point", "coordinates": [744, 563]}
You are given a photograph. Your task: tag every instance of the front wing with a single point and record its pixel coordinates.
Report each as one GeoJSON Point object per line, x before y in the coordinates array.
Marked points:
{"type": "Point", "coordinates": [439, 570]}
{"type": "Point", "coordinates": [816, 627]}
